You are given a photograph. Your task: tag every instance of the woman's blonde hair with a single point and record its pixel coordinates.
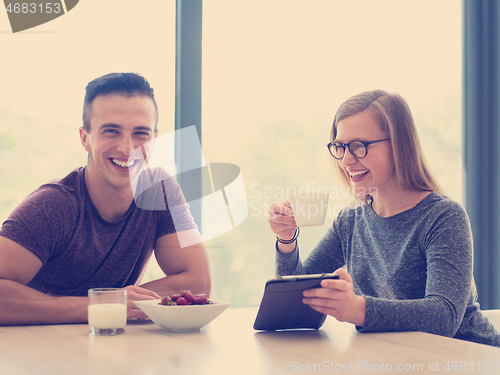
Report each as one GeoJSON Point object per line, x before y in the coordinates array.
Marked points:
{"type": "Point", "coordinates": [396, 120]}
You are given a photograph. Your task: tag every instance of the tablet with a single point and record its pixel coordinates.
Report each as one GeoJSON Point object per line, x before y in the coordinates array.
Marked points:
{"type": "Point", "coordinates": [282, 307]}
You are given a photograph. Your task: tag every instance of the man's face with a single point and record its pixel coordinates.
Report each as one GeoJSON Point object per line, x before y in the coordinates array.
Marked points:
{"type": "Point", "coordinates": [118, 125]}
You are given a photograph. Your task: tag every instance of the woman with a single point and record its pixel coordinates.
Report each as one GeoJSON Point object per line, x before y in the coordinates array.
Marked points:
{"type": "Point", "coordinates": [404, 254]}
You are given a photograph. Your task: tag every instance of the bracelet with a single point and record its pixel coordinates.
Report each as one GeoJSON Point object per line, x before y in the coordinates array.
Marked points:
{"type": "Point", "coordinates": [287, 242]}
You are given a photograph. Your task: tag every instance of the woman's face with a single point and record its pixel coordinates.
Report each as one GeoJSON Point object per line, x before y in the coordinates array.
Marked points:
{"type": "Point", "coordinates": [374, 173]}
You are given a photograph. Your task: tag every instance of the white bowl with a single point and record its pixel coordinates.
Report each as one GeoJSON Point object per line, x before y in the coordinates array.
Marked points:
{"type": "Point", "coordinates": [188, 318]}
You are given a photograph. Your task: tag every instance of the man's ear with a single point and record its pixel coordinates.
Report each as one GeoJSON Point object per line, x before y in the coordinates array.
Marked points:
{"type": "Point", "coordinates": [84, 138]}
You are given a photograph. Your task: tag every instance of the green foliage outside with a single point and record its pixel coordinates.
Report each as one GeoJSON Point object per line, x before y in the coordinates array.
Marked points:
{"type": "Point", "coordinates": [32, 153]}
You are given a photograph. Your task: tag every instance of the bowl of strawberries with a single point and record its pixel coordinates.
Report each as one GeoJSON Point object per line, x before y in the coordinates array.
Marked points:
{"type": "Point", "coordinates": [183, 312]}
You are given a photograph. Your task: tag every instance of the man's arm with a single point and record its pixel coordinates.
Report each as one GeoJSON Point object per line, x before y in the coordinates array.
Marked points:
{"type": "Point", "coordinates": [186, 268]}
{"type": "Point", "coordinates": [22, 305]}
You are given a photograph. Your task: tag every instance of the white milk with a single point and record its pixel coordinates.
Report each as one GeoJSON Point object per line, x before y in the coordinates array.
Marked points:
{"type": "Point", "coordinates": [108, 315]}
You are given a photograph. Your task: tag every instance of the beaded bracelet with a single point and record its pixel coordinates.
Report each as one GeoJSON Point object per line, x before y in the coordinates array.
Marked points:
{"type": "Point", "coordinates": [287, 242]}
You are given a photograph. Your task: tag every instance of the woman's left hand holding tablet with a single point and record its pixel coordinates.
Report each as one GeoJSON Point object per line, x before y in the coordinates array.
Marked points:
{"type": "Point", "coordinates": [337, 298]}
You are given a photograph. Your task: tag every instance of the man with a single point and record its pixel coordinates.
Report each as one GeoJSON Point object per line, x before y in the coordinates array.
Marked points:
{"type": "Point", "coordinates": [86, 231]}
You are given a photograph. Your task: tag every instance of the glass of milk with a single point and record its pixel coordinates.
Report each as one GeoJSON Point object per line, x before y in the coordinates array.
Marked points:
{"type": "Point", "coordinates": [107, 311]}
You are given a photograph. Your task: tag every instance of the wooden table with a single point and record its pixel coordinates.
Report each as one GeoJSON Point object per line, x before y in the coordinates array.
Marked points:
{"type": "Point", "coordinates": [229, 345]}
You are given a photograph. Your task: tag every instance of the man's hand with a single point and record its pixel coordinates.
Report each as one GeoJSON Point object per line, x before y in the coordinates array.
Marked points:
{"type": "Point", "coordinates": [136, 293]}
{"type": "Point", "coordinates": [337, 298]}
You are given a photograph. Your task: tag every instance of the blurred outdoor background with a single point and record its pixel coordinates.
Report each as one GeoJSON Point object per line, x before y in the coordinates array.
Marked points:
{"type": "Point", "coordinates": [274, 73]}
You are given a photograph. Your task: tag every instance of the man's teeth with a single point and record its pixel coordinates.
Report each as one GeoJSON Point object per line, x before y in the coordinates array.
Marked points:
{"type": "Point", "coordinates": [353, 174]}
{"type": "Point", "coordinates": [123, 164]}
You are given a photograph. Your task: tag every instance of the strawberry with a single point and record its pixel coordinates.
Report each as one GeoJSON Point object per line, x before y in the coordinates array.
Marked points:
{"type": "Point", "coordinates": [165, 300]}
{"type": "Point", "coordinates": [182, 301]}
{"type": "Point", "coordinates": [200, 299]}
{"type": "Point", "coordinates": [187, 295]}
{"type": "Point", "coordinates": [174, 297]}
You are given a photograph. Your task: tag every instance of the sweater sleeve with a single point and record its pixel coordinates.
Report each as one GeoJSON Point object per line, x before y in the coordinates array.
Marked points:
{"type": "Point", "coordinates": [448, 253]}
{"type": "Point", "coordinates": [324, 258]}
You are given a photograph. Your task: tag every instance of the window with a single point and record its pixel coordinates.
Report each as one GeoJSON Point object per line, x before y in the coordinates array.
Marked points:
{"type": "Point", "coordinates": [45, 71]}
{"type": "Point", "coordinates": [275, 72]}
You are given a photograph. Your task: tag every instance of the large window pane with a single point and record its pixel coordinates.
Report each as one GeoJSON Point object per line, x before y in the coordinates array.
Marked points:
{"type": "Point", "coordinates": [274, 73]}
{"type": "Point", "coordinates": [44, 73]}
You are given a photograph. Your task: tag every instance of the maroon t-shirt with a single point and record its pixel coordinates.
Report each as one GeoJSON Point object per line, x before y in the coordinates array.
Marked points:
{"type": "Point", "coordinates": [79, 249]}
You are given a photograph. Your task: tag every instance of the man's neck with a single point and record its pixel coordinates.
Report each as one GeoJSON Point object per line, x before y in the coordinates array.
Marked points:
{"type": "Point", "coordinates": [111, 203]}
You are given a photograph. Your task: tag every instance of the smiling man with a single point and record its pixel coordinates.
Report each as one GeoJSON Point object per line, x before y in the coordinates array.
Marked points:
{"type": "Point", "coordinates": [85, 230]}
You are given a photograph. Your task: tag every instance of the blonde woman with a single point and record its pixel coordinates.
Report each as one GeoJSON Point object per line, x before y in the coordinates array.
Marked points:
{"type": "Point", "coordinates": [404, 255]}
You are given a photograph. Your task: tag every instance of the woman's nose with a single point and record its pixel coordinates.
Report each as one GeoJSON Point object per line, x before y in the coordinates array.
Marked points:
{"type": "Point", "coordinates": [348, 159]}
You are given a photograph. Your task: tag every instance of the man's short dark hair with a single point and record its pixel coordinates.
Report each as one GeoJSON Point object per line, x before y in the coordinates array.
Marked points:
{"type": "Point", "coordinates": [126, 84]}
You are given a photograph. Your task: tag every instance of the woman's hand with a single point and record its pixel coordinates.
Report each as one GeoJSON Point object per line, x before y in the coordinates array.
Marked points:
{"type": "Point", "coordinates": [136, 293]}
{"type": "Point", "coordinates": [283, 223]}
{"type": "Point", "coordinates": [337, 298]}
{"type": "Point", "coordinates": [281, 219]}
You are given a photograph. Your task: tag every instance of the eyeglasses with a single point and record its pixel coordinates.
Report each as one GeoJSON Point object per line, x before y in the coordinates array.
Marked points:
{"type": "Point", "coordinates": [358, 149]}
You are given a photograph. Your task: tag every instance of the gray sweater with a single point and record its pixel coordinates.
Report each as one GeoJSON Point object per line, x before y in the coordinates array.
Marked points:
{"type": "Point", "coordinates": [413, 268]}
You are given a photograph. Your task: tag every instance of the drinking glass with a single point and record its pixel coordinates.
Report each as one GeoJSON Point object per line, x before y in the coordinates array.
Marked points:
{"type": "Point", "coordinates": [107, 311]}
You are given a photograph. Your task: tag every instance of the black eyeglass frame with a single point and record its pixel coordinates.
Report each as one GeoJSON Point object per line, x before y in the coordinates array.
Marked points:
{"type": "Point", "coordinates": [365, 143]}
